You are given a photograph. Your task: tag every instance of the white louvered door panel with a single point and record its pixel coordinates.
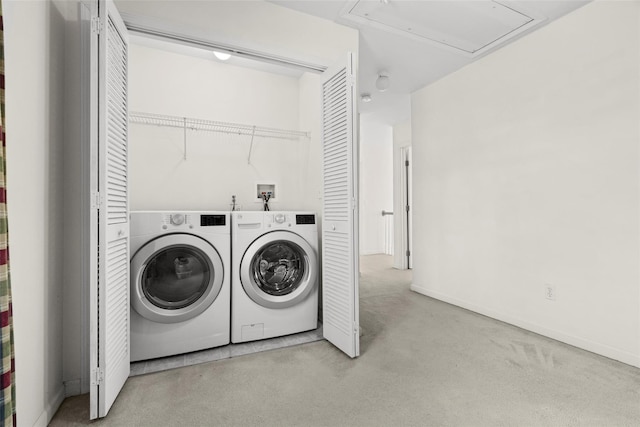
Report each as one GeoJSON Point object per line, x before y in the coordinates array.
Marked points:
{"type": "Point", "coordinates": [340, 213]}
{"type": "Point", "coordinates": [113, 321]}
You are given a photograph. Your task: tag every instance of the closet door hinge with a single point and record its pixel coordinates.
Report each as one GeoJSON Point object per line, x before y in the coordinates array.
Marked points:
{"type": "Point", "coordinates": [96, 25]}
{"type": "Point", "coordinates": [96, 201]}
{"type": "Point", "coordinates": [97, 376]}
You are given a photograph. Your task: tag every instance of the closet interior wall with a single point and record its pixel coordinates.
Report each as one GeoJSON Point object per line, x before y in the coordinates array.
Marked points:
{"type": "Point", "coordinates": [217, 165]}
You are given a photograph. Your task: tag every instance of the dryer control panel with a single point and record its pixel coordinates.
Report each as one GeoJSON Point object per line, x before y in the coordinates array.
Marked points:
{"type": "Point", "coordinates": [288, 219]}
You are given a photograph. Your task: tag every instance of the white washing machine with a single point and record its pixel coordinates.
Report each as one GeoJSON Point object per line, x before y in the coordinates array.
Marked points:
{"type": "Point", "coordinates": [274, 285]}
{"type": "Point", "coordinates": [180, 286]}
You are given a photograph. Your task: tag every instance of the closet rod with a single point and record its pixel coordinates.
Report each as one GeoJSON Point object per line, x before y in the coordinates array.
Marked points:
{"type": "Point", "coordinates": [134, 25]}
{"type": "Point", "coordinates": [214, 126]}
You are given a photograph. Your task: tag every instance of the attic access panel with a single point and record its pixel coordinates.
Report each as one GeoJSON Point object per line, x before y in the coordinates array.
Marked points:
{"type": "Point", "coordinates": [466, 26]}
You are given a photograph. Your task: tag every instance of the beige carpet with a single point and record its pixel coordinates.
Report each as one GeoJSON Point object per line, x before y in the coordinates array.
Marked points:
{"type": "Point", "coordinates": [423, 363]}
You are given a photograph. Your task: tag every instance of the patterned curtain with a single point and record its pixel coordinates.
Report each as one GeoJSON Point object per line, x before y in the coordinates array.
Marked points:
{"type": "Point", "coordinates": [7, 363]}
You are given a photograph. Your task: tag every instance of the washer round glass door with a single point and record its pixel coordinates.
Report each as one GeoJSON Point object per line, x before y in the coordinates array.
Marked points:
{"type": "Point", "coordinates": [175, 278]}
{"type": "Point", "coordinates": [279, 269]}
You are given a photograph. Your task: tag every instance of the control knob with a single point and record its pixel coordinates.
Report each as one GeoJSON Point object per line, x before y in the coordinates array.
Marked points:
{"type": "Point", "coordinates": [177, 219]}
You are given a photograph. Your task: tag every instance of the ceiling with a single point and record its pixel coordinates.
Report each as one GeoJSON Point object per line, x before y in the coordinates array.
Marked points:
{"type": "Point", "coordinates": [418, 42]}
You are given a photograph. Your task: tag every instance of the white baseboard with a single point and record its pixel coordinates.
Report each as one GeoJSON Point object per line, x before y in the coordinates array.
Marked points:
{"type": "Point", "coordinates": [72, 388]}
{"type": "Point", "coordinates": [594, 347]}
{"type": "Point", "coordinates": [372, 252]}
{"type": "Point", "coordinates": [50, 410]}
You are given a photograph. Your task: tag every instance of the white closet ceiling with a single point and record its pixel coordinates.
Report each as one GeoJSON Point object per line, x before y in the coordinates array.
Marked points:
{"type": "Point", "coordinates": [418, 42]}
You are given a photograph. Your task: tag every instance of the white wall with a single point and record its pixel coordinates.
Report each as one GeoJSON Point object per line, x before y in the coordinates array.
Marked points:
{"type": "Point", "coordinates": [34, 60]}
{"type": "Point", "coordinates": [526, 174]}
{"type": "Point", "coordinates": [309, 166]}
{"type": "Point", "coordinates": [401, 140]}
{"type": "Point", "coordinates": [376, 183]}
{"type": "Point", "coordinates": [217, 164]}
{"type": "Point", "coordinates": [75, 220]}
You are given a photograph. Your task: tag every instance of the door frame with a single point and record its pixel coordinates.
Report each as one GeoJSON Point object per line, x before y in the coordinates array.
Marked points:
{"type": "Point", "coordinates": [406, 247]}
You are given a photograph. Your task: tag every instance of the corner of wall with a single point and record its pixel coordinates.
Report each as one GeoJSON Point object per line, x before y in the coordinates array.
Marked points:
{"type": "Point", "coordinates": [35, 49]}
{"type": "Point", "coordinates": [50, 409]}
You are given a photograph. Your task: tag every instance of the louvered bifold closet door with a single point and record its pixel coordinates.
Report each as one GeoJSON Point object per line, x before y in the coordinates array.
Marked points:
{"type": "Point", "coordinates": [340, 213]}
{"type": "Point", "coordinates": [113, 216]}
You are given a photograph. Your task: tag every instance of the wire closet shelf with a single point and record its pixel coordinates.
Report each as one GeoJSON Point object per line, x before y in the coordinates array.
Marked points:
{"type": "Point", "coordinates": [187, 123]}
{"type": "Point", "coordinates": [215, 126]}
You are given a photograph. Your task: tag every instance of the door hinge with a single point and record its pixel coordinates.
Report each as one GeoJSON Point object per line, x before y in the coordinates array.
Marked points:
{"type": "Point", "coordinates": [408, 253]}
{"type": "Point", "coordinates": [97, 376]}
{"type": "Point", "coordinates": [406, 162]}
{"type": "Point", "coordinates": [407, 208]}
{"type": "Point", "coordinates": [96, 202]}
{"type": "Point", "coordinates": [96, 25]}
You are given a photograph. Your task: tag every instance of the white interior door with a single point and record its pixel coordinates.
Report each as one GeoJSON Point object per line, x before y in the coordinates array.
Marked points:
{"type": "Point", "coordinates": [109, 284]}
{"type": "Point", "coordinates": [340, 268]}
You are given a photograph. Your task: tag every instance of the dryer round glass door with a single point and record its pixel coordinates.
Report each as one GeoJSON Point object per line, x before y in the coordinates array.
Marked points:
{"type": "Point", "coordinates": [279, 269]}
{"type": "Point", "coordinates": [175, 278]}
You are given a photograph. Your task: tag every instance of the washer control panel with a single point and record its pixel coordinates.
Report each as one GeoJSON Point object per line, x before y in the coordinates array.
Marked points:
{"type": "Point", "coordinates": [278, 220]}
{"type": "Point", "coordinates": [213, 220]}
{"type": "Point", "coordinates": [176, 220]}
{"type": "Point", "coordinates": [305, 219]}
{"type": "Point", "coordinates": [191, 220]}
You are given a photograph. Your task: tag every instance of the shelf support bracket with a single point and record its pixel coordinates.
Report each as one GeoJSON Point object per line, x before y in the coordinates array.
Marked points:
{"type": "Point", "coordinates": [253, 134]}
{"type": "Point", "coordinates": [184, 122]}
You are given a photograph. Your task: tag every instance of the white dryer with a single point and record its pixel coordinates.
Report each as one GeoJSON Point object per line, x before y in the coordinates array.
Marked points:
{"type": "Point", "coordinates": [274, 285]}
{"type": "Point", "coordinates": [180, 286]}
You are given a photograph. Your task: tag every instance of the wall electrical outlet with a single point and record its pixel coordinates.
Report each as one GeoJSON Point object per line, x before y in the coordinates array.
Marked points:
{"type": "Point", "coordinates": [550, 292]}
